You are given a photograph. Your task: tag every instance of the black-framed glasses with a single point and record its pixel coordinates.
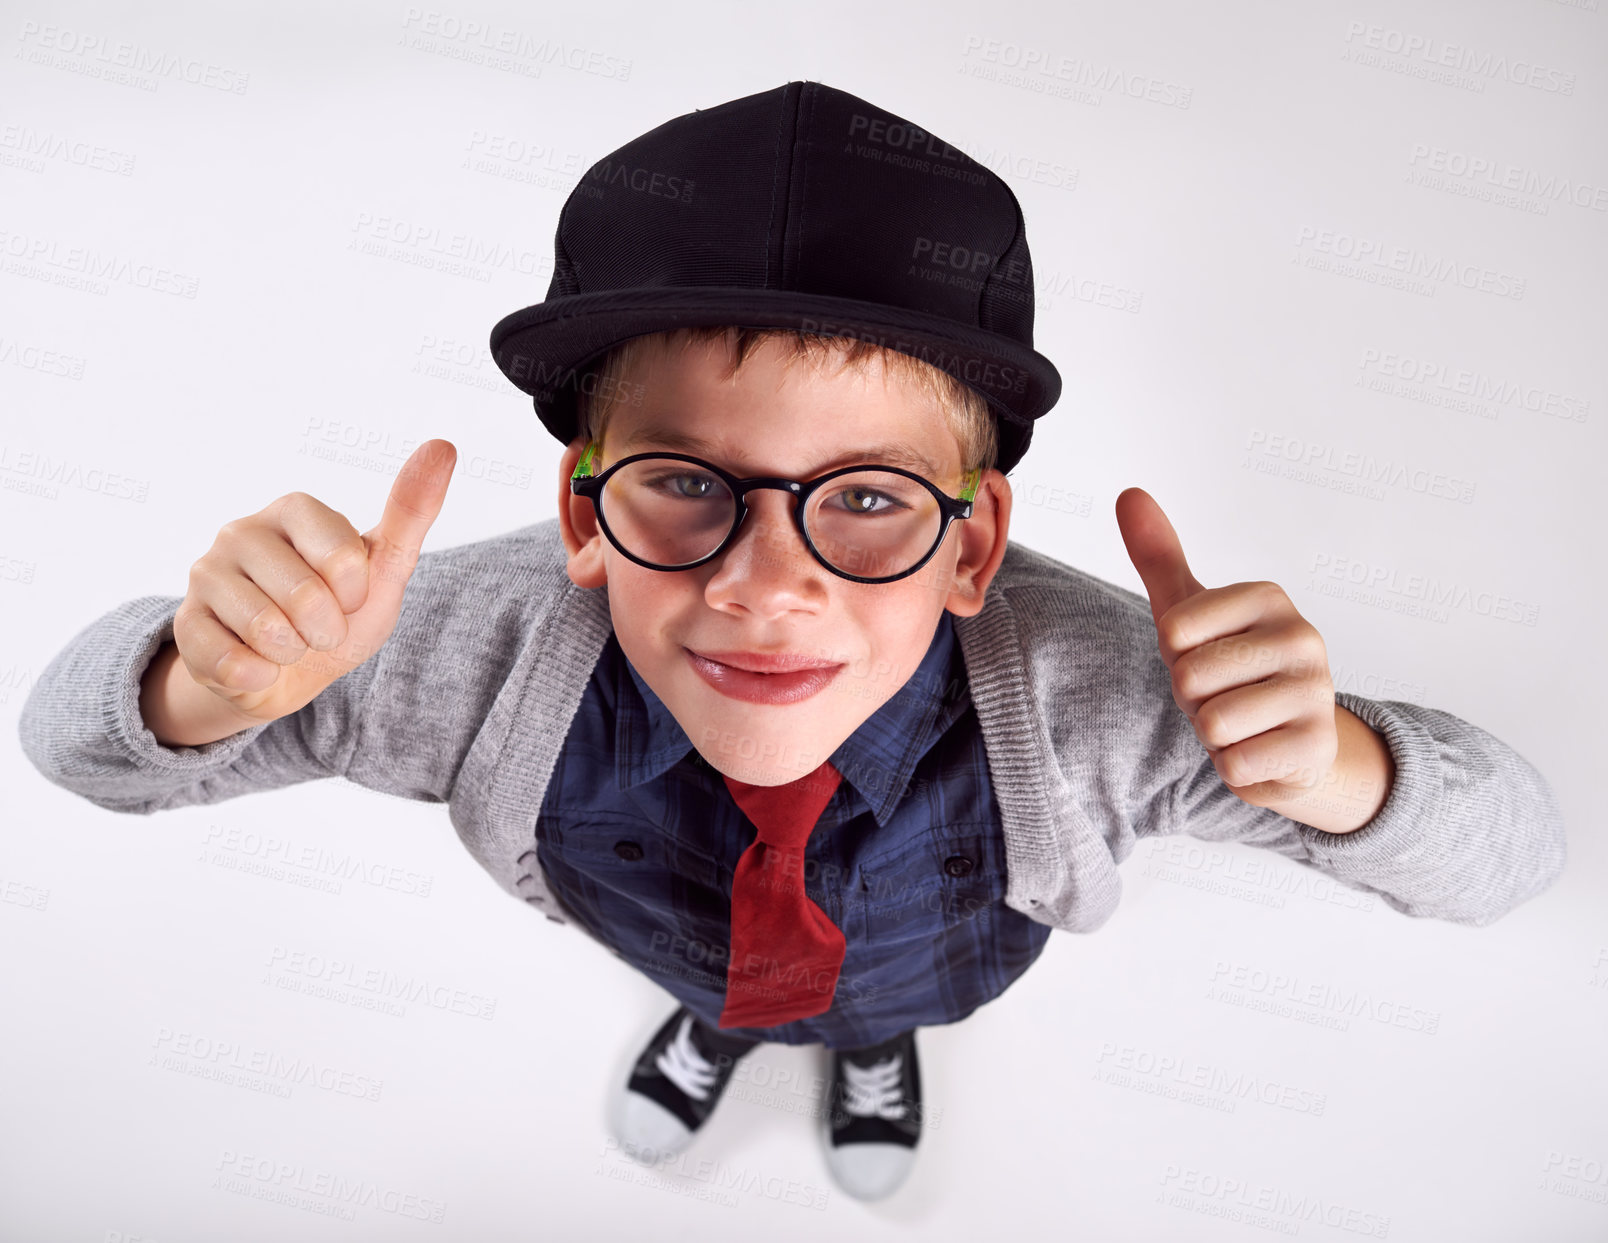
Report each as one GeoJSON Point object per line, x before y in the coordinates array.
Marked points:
{"type": "Point", "coordinates": [866, 523]}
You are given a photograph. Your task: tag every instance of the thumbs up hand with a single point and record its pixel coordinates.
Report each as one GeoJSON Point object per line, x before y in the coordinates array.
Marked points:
{"type": "Point", "coordinates": [1250, 673]}
{"type": "Point", "coordinates": [292, 598]}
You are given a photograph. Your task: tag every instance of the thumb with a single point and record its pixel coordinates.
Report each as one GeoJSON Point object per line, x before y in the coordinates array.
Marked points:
{"type": "Point", "coordinates": [410, 510]}
{"type": "Point", "coordinates": [1154, 549]}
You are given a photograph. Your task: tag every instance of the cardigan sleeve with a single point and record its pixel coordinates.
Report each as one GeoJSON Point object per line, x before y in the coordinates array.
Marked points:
{"type": "Point", "coordinates": [81, 725]}
{"type": "Point", "coordinates": [401, 723]}
{"type": "Point", "coordinates": [1469, 830]}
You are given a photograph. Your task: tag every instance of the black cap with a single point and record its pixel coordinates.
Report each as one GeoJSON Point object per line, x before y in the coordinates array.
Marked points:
{"type": "Point", "coordinates": [800, 207]}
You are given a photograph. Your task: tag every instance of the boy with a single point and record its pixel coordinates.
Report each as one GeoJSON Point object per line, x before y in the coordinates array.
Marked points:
{"type": "Point", "coordinates": [829, 766]}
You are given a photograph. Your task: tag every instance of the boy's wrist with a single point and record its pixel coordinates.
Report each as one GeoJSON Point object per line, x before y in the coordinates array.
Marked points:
{"type": "Point", "coordinates": [178, 710]}
{"type": "Point", "coordinates": [1355, 789]}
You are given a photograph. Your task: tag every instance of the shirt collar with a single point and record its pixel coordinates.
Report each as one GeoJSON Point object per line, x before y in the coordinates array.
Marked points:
{"type": "Point", "coordinates": [648, 740]}
{"type": "Point", "coordinates": [877, 759]}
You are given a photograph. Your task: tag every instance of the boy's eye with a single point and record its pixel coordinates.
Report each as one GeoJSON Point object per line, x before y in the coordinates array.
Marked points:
{"type": "Point", "coordinates": [867, 501]}
{"type": "Point", "coordinates": [695, 487]}
{"type": "Point", "coordinates": [870, 494]}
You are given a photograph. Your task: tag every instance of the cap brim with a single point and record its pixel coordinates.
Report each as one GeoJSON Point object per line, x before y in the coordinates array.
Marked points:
{"type": "Point", "coordinates": [545, 349]}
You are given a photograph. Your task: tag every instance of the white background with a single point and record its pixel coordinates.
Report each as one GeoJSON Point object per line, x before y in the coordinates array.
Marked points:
{"type": "Point", "coordinates": [304, 363]}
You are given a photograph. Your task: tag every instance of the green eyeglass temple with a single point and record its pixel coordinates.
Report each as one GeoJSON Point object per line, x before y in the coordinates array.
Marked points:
{"type": "Point", "coordinates": [583, 470]}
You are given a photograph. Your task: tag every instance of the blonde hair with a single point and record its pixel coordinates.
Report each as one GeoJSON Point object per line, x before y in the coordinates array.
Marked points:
{"type": "Point", "coordinates": [969, 416]}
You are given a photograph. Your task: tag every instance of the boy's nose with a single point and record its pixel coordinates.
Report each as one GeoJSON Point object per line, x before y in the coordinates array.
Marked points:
{"type": "Point", "coordinates": [768, 569]}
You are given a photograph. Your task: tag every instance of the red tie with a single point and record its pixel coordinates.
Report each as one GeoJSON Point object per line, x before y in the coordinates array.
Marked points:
{"type": "Point", "coordinates": [785, 952]}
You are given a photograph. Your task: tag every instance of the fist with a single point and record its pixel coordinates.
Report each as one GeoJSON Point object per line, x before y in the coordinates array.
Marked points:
{"type": "Point", "coordinates": [1250, 673]}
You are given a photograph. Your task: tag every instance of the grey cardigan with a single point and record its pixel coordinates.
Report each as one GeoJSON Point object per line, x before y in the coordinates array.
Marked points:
{"type": "Point", "coordinates": [472, 698]}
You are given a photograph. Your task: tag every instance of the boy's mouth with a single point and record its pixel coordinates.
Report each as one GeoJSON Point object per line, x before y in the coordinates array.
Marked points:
{"type": "Point", "coordinates": [762, 662]}
{"type": "Point", "coordinates": [795, 678]}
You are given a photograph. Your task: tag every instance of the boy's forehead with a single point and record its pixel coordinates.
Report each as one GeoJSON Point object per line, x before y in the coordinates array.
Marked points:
{"type": "Point", "coordinates": [910, 432]}
{"type": "Point", "coordinates": [826, 451]}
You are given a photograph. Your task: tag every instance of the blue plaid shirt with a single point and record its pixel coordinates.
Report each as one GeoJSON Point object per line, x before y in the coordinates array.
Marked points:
{"type": "Point", "coordinates": [638, 836]}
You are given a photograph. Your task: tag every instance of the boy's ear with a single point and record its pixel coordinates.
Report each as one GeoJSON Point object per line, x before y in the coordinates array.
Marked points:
{"type": "Point", "coordinates": [577, 523]}
{"type": "Point", "coordinates": [983, 539]}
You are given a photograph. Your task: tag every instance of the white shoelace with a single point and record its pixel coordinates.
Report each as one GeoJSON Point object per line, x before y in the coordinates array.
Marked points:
{"type": "Point", "coordinates": [873, 1091]}
{"type": "Point", "coordinates": [684, 1066]}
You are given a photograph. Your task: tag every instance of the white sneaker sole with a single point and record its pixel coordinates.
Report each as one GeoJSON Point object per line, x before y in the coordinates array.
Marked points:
{"type": "Point", "coordinates": [869, 1171]}
{"type": "Point", "coordinates": [647, 1131]}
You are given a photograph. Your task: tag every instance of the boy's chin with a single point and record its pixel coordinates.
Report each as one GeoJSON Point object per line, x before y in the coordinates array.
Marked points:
{"type": "Point", "coordinates": [765, 762]}
{"type": "Point", "coordinates": [758, 773]}
{"type": "Point", "coordinates": [771, 757]}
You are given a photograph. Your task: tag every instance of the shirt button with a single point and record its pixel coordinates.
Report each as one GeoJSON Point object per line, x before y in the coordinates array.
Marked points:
{"type": "Point", "coordinates": [958, 865]}
{"type": "Point", "coordinates": [629, 851]}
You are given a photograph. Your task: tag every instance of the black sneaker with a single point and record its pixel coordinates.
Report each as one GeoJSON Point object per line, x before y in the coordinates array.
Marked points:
{"type": "Point", "coordinates": [674, 1086]}
{"type": "Point", "coordinates": [874, 1117]}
